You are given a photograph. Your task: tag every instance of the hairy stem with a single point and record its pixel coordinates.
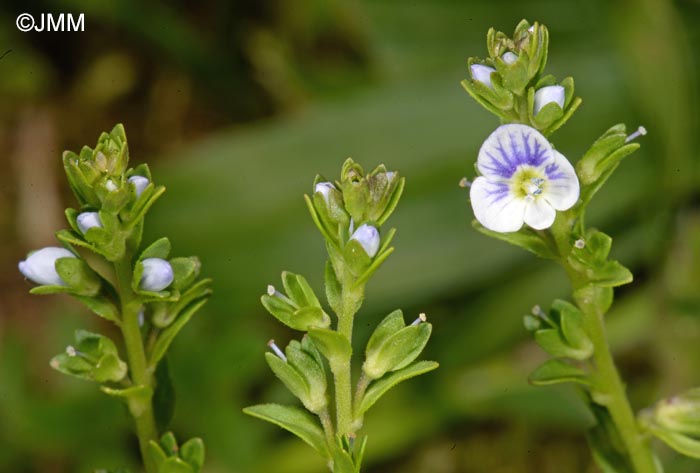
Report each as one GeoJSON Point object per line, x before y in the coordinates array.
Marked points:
{"type": "Point", "coordinates": [343, 375]}
{"type": "Point", "coordinates": [138, 365]}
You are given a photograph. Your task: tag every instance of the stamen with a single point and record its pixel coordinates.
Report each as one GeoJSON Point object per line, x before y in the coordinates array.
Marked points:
{"type": "Point", "coordinates": [641, 131]}
{"type": "Point", "coordinates": [537, 310]}
{"type": "Point", "coordinates": [421, 318]}
{"type": "Point", "coordinates": [271, 291]}
{"type": "Point", "coordinates": [464, 183]}
{"type": "Point", "coordinates": [273, 346]}
{"type": "Point", "coordinates": [580, 243]}
{"type": "Point", "coordinates": [71, 351]}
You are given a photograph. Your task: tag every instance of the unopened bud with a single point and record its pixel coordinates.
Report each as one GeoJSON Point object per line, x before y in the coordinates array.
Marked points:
{"type": "Point", "coordinates": [482, 74]}
{"type": "Point", "coordinates": [88, 220]}
{"type": "Point", "coordinates": [547, 95]}
{"type": "Point", "coordinates": [40, 266]}
{"type": "Point", "coordinates": [509, 57]}
{"type": "Point", "coordinates": [157, 274]}
{"type": "Point", "coordinates": [368, 237]}
{"type": "Point", "coordinates": [140, 183]}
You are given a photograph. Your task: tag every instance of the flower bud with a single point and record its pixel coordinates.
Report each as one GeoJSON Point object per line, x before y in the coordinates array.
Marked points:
{"type": "Point", "coordinates": [549, 94]}
{"type": "Point", "coordinates": [88, 220]}
{"type": "Point", "coordinates": [509, 57]}
{"type": "Point", "coordinates": [482, 74]}
{"type": "Point", "coordinates": [40, 266]}
{"type": "Point", "coordinates": [324, 188]}
{"type": "Point", "coordinates": [110, 185]}
{"type": "Point", "coordinates": [368, 237]}
{"type": "Point", "coordinates": [157, 275]}
{"type": "Point", "coordinates": [140, 183]}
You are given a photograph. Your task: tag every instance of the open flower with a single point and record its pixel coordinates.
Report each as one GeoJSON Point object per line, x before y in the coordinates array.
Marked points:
{"type": "Point", "coordinates": [523, 180]}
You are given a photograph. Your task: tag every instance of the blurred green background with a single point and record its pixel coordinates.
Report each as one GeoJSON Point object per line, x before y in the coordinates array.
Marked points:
{"type": "Point", "coordinates": [237, 105]}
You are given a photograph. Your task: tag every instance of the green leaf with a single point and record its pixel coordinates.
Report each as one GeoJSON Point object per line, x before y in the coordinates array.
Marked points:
{"type": "Point", "coordinates": [156, 453]}
{"type": "Point", "coordinates": [101, 306]}
{"type": "Point", "coordinates": [192, 452]}
{"type": "Point", "coordinates": [333, 345]}
{"type": "Point", "coordinates": [681, 443]}
{"type": "Point", "coordinates": [529, 239]}
{"type": "Point", "coordinates": [398, 350]}
{"type": "Point", "coordinates": [557, 371]}
{"type": "Point", "coordinates": [342, 461]}
{"type": "Point", "coordinates": [138, 398]}
{"type": "Point", "coordinates": [295, 420]}
{"type": "Point", "coordinates": [167, 336]}
{"type": "Point", "coordinates": [78, 276]}
{"type": "Point", "coordinates": [158, 249]}
{"type": "Point", "coordinates": [175, 465]}
{"type": "Point", "coordinates": [605, 443]}
{"type": "Point", "coordinates": [379, 387]}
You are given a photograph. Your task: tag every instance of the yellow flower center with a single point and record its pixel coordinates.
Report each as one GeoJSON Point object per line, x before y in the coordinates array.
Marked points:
{"type": "Point", "coordinates": [528, 182]}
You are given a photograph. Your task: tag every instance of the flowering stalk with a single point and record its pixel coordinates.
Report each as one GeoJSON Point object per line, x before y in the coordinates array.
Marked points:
{"type": "Point", "coordinates": [349, 214]}
{"type": "Point", "coordinates": [529, 195]}
{"type": "Point", "coordinates": [146, 295]}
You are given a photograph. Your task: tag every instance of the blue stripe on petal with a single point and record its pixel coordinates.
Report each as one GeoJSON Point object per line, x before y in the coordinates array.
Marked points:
{"type": "Point", "coordinates": [510, 147]}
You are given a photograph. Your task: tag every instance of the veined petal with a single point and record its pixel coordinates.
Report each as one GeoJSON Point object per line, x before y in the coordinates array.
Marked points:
{"type": "Point", "coordinates": [539, 214]}
{"type": "Point", "coordinates": [511, 146]}
{"type": "Point", "coordinates": [495, 207]}
{"type": "Point", "coordinates": [562, 189]}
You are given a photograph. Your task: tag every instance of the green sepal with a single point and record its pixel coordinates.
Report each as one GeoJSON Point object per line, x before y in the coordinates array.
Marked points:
{"type": "Point", "coordinates": [306, 359]}
{"type": "Point", "coordinates": [391, 324]}
{"type": "Point", "coordinates": [591, 261]}
{"type": "Point", "coordinates": [78, 275]}
{"type": "Point", "coordinates": [393, 201]}
{"type": "Point", "coordinates": [573, 328]}
{"type": "Point", "coordinates": [356, 257]}
{"type": "Point", "coordinates": [96, 359]}
{"type": "Point", "coordinates": [342, 461]}
{"type": "Point", "coordinates": [164, 313]}
{"type": "Point", "coordinates": [398, 350]}
{"type": "Point", "coordinates": [382, 254]}
{"type": "Point", "coordinates": [175, 465]}
{"type": "Point", "coordinates": [289, 376]}
{"type": "Point", "coordinates": [185, 271]}
{"type": "Point", "coordinates": [379, 387]}
{"type": "Point", "coordinates": [156, 454]}
{"type": "Point", "coordinates": [326, 232]}
{"type": "Point", "coordinates": [158, 249]}
{"type": "Point", "coordinates": [166, 337]}
{"type": "Point", "coordinates": [557, 371]}
{"type": "Point", "coordinates": [193, 452]}
{"type": "Point", "coordinates": [295, 420]}
{"type": "Point", "coordinates": [681, 443]}
{"type": "Point", "coordinates": [551, 341]}
{"type": "Point", "coordinates": [169, 443]}
{"type": "Point", "coordinates": [135, 215]}
{"type": "Point", "coordinates": [137, 398]}
{"type": "Point", "coordinates": [355, 189]}
{"type": "Point", "coordinates": [333, 345]}
{"type": "Point", "coordinates": [526, 238]}
{"type": "Point", "coordinates": [299, 290]}
{"type": "Point", "coordinates": [296, 318]}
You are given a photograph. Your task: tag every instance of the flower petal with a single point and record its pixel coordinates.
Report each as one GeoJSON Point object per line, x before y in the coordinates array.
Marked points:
{"type": "Point", "coordinates": [562, 188]}
{"type": "Point", "coordinates": [539, 214]}
{"type": "Point", "coordinates": [511, 146]}
{"type": "Point", "coordinates": [495, 207]}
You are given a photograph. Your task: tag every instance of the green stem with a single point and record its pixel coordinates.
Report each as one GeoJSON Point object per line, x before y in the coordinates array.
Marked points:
{"type": "Point", "coordinates": [611, 394]}
{"type": "Point", "coordinates": [609, 388]}
{"type": "Point", "coordinates": [141, 375]}
{"type": "Point", "coordinates": [343, 375]}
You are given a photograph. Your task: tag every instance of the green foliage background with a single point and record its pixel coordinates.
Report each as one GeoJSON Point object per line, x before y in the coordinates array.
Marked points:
{"type": "Point", "coordinates": [237, 106]}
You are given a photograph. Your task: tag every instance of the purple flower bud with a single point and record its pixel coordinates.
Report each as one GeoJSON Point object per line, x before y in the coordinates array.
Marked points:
{"type": "Point", "coordinates": [157, 274]}
{"type": "Point", "coordinates": [368, 237]}
{"type": "Point", "coordinates": [88, 220]}
{"type": "Point", "coordinates": [549, 94]}
{"type": "Point", "coordinates": [509, 57]}
{"type": "Point", "coordinates": [482, 74]}
{"type": "Point", "coordinates": [140, 183]}
{"type": "Point", "coordinates": [40, 266]}
{"type": "Point", "coordinates": [325, 189]}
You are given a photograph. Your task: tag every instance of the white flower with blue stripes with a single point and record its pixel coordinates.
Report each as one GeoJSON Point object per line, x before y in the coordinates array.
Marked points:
{"type": "Point", "coordinates": [523, 180]}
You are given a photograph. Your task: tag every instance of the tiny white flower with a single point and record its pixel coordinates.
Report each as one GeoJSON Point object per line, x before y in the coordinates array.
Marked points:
{"type": "Point", "coordinates": [157, 274]}
{"type": "Point", "coordinates": [523, 180]}
{"type": "Point", "coordinates": [110, 185]}
{"type": "Point", "coordinates": [140, 183]}
{"type": "Point", "coordinates": [325, 189]}
{"type": "Point", "coordinates": [549, 94]}
{"type": "Point", "coordinates": [509, 57]}
{"type": "Point", "coordinates": [40, 266]}
{"type": "Point", "coordinates": [88, 220]}
{"type": "Point", "coordinates": [368, 237]}
{"type": "Point", "coordinates": [482, 73]}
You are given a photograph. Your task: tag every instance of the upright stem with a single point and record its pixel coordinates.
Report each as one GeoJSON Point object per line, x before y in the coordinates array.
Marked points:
{"type": "Point", "coordinates": [141, 375]}
{"type": "Point", "coordinates": [609, 388]}
{"type": "Point", "coordinates": [611, 394]}
{"type": "Point", "coordinates": [343, 375]}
